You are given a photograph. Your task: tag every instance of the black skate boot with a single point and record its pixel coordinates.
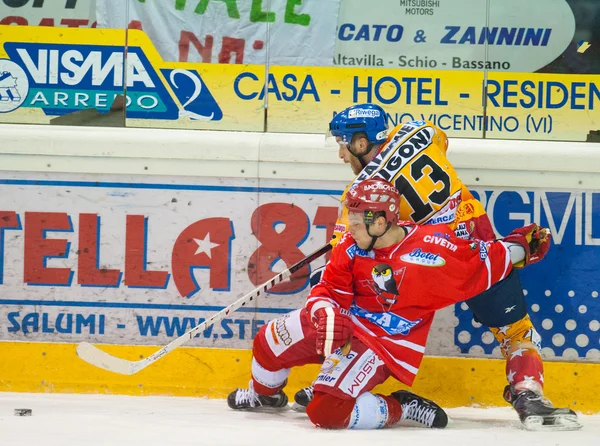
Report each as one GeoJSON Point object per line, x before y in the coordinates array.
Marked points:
{"type": "Point", "coordinates": [538, 413]}
{"type": "Point", "coordinates": [420, 410]}
{"type": "Point", "coordinates": [248, 399]}
{"type": "Point", "coordinates": [302, 398]}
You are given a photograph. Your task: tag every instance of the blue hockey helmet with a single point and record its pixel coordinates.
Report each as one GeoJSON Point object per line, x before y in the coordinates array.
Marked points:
{"type": "Point", "coordinates": [367, 118]}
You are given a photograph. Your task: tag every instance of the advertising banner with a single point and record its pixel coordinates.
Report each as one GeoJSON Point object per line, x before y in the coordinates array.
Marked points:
{"type": "Point", "coordinates": [128, 262]}
{"type": "Point", "coordinates": [122, 261]}
{"type": "Point", "coordinates": [496, 35]}
{"type": "Point", "coordinates": [282, 32]}
{"type": "Point", "coordinates": [517, 105]}
{"type": "Point", "coordinates": [49, 72]}
{"type": "Point", "coordinates": [561, 291]}
{"type": "Point", "coordinates": [550, 36]}
{"type": "Point", "coordinates": [61, 13]}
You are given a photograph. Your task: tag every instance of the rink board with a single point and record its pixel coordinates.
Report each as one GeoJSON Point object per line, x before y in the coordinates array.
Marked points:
{"type": "Point", "coordinates": [127, 261]}
{"type": "Point", "coordinates": [180, 228]}
{"type": "Point", "coordinates": [213, 373]}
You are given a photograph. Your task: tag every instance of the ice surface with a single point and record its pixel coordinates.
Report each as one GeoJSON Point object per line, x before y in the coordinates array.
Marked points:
{"type": "Point", "coordinates": [68, 420]}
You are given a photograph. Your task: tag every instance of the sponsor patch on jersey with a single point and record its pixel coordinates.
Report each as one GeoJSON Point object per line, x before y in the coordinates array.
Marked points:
{"type": "Point", "coordinates": [420, 257]}
{"type": "Point", "coordinates": [446, 214]}
{"type": "Point", "coordinates": [339, 228]}
{"type": "Point", "coordinates": [392, 323]}
{"type": "Point", "coordinates": [483, 250]}
{"type": "Point", "coordinates": [360, 374]}
{"type": "Point", "coordinates": [441, 241]}
{"type": "Point", "coordinates": [331, 362]}
{"type": "Point", "coordinates": [284, 332]}
{"type": "Point", "coordinates": [464, 232]}
{"type": "Point", "coordinates": [334, 367]}
{"type": "Point", "coordinates": [354, 250]}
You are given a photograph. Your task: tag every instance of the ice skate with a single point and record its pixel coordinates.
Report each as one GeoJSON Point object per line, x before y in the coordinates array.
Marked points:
{"type": "Point", "coordinates": [302, 398]}
{"type": "Point", "coordinates": [248, 399]}
{"type": "Point", "coordinates": [420, 410]}
{"type": "Point", "coordinates": [538, 413]}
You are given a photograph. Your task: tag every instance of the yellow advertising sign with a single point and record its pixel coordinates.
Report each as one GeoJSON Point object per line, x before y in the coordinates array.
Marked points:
{"type": "Point", "coordinates": [517, 105]}
{"type": "Point", "coordinates": [50, 72]}
{"type": "Point", "coordinates": [544, 106]}
{"type": "Point", "coordinates": [53, 72]}
{"type": "Point", "coordinates": [405, 94]}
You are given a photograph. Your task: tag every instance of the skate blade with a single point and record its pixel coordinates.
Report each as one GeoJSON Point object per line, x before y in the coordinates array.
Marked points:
{"type": "Point", "coordinates": [556, 423]}
{"type": "Point", "coordinates": [265, 409]}
{"type": "Point", "coordinates": [298, 408]}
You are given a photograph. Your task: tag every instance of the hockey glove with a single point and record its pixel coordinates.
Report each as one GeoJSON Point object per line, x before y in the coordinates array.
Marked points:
{"type": "Point", "coordinates": [334, 330]}
{"type": "Point", "coordinates": [534, 240]}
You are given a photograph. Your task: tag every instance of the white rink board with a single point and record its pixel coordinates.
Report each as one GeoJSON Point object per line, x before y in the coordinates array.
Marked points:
{"type": "Point", "coordinates": [39, 310]}
{"type": "Point", "coordinates": [100, 420]}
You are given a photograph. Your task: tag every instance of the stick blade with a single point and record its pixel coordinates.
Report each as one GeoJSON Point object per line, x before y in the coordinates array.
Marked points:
{"type": "Point", "coordinates": [93, 355]}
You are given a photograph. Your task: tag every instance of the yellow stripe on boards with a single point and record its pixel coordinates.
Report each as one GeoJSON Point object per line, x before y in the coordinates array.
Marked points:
{"type": "Point", "coordinates": [213, 373]}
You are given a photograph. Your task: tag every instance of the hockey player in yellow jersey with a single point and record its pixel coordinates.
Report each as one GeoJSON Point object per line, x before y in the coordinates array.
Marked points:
{"type": "Point", "coordinates": [412, 156]}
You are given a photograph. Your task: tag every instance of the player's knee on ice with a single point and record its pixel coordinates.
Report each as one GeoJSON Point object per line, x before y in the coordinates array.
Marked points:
{"type": "Point", "coordinates": [330, 412]}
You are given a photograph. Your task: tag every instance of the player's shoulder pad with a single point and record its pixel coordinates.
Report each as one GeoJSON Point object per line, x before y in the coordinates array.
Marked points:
{"type": "Point", "coordinates": [404, 129]}
{"type": "Point", "coordinates": [438, 228]}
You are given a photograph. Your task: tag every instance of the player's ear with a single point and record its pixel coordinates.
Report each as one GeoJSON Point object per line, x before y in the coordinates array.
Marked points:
{"type": "Point", "coordinates": [364, 142]}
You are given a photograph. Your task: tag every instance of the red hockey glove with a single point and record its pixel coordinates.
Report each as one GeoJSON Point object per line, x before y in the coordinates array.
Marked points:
{"type": "Point", "coordinates": [334, 329]}
{"type": "Point", "coordinates": [534, 239]}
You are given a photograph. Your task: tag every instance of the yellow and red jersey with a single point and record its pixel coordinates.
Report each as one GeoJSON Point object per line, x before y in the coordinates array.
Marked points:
{"type": "Point", "coordinates": [413, 158]}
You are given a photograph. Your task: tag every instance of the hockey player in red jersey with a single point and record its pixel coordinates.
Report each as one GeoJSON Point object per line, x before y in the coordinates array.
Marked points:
{"type": "Point", "coordinates": [370, 315]}
{"type": "Point", "coordinates": [413, 157]}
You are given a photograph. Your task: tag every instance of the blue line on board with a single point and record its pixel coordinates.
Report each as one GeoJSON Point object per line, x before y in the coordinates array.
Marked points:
{"type": "Point", "coordinates": [59, 303]}
{"type": "Point", "coordinates": [279, 190]}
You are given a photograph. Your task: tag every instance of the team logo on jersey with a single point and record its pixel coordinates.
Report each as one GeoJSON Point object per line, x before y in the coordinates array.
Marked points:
{"type": "Point", "coordinates": [465, 210]}
{"type": "Point", "coordinates": [385, 284]}
{"type": "Point", "coordinates": [420, 257]}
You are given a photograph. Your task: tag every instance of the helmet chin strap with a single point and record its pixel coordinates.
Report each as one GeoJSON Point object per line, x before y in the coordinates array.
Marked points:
{"type": "Point", "coordinates": [375, 237]}
{"type": "Point", "coordinates": [360, 156]}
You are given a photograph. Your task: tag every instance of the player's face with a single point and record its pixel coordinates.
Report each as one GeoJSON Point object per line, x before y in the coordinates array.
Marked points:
{"type": "Point", "coordinates": [348, 158]}
{"type": "Point", "coordinates": [358, 229]}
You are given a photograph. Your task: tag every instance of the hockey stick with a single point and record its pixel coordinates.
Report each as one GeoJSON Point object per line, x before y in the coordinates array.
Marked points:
{"type": "Point", "coordinates": [93, 355]}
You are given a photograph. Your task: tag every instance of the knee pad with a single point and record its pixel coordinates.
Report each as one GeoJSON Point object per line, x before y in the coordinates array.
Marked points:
{"type": "Point", "coordinates": [330, 412]}
{"type": "Point", "coordinates": [515, 333]}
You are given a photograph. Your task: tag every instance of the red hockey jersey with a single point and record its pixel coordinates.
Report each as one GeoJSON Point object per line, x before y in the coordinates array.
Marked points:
{"type": "Point", "coordinates": [393, 293]}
